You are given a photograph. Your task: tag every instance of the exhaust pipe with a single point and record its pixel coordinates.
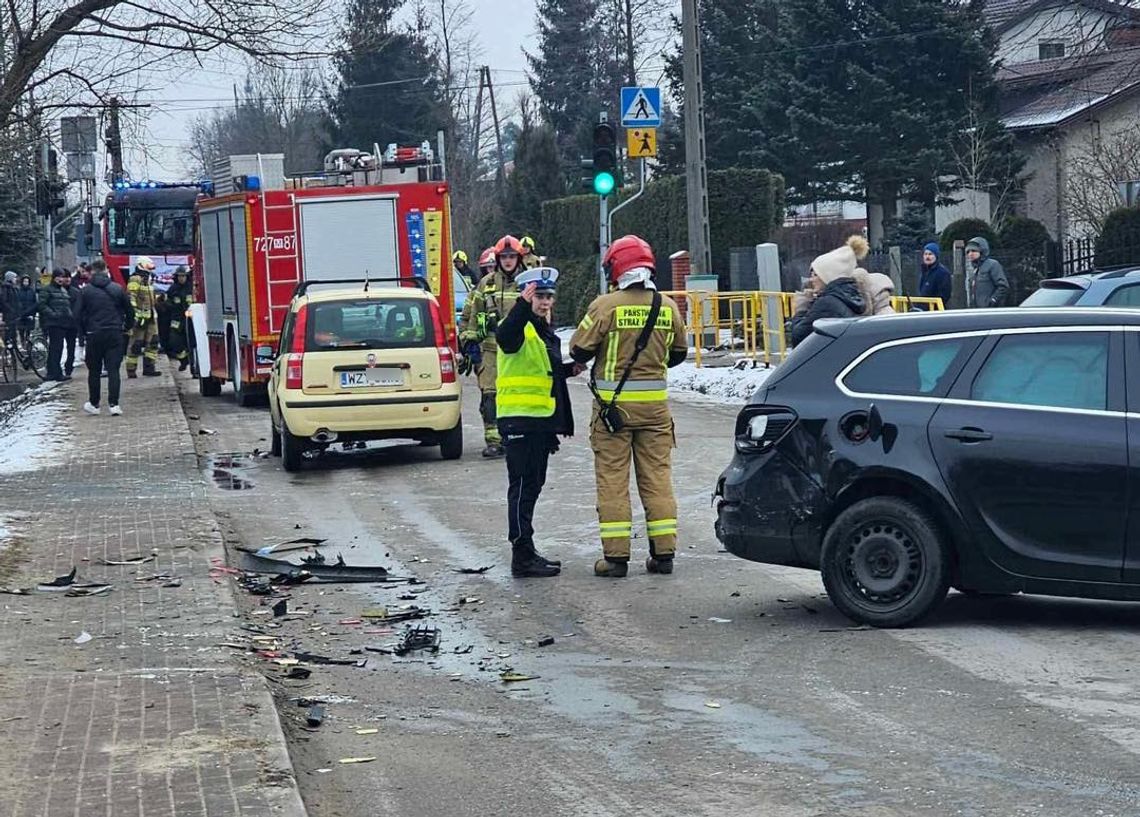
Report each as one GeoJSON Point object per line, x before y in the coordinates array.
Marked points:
{"type": "Point", "coordinates": [324, 436]}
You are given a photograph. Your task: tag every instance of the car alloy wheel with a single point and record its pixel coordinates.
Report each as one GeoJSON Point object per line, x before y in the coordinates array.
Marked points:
{"type": "Point", "coordinates": [885, 562]}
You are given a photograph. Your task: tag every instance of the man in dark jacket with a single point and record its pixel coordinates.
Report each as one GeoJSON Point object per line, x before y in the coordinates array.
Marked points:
{"type": "Point", "coordinates": [10, 307]}
{"type": "Point", "coordinates": [986, 284]}
{"type": "Point", "coordinates": [26, 294]}
{"type": "Point", "coordinates": [934, 280]}
{"type": "Point", "coordinates": [178, 299]}
{"type": "Point", "coordinates": [533, 408]}
{"type": "Point", "coordinates": [101, 314]}
{"type": "Point", "coordinates": [834, 293]}
{"type": "Point", "coordinates": [56, 319]}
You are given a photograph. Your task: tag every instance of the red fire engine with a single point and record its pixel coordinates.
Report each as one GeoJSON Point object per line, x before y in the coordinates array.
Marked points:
{"type": "Point", "coordinates": [260, 234]}
{"type": "Point", "coordinates": [154, 219]}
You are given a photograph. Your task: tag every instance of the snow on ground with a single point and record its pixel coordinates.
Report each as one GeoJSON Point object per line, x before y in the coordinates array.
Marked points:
{"type": "Point", "coordinates": [29, 432]}
{"type": "Point", "coordinates": [724, 384]}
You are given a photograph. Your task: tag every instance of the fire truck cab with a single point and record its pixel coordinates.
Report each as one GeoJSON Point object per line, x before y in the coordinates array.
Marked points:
{"type": "Point", "coordinates": [260, 234]}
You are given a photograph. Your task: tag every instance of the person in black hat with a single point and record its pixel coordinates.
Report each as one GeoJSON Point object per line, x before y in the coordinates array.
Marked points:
{"type": "Point", "coordinates": [54, 306]}
{"type": "Point", "coordinates": [532, 409]}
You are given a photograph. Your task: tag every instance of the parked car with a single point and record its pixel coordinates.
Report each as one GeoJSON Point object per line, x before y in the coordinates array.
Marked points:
{"type": "Point", "coordinates": [994, 451]}
{"type": "Point", "coordinates": [1120, 287]}
{"type": "Point", "coordinates": [363, 363]}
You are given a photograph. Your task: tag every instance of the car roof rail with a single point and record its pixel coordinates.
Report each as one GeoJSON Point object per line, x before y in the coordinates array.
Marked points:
{"type": "Point", "coordinates": [303, 287]}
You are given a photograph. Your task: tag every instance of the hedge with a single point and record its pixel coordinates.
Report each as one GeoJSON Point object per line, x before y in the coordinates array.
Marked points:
{"type": "Point", "coordinates": [1119, 241]}
{"type": "Point", "coordinates": [745, 207]}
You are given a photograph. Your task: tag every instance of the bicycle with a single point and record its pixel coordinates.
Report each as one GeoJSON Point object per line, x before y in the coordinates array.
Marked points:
{"type": "Point", "coordinates": [9, 360]}
{"type": "Point", "coordinates": [35, 353]}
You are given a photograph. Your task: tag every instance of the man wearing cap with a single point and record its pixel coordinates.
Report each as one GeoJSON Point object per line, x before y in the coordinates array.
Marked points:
{"type": "Point", "coordinates": [532, 405]}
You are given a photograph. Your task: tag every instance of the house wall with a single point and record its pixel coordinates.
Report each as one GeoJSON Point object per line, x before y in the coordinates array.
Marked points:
{"type": "Point", "coordinates": [1079, 27]}
{"type": "Point", "coordinates": [970, 204]}
{"type": "Point", "coordinates": [1041, 201]}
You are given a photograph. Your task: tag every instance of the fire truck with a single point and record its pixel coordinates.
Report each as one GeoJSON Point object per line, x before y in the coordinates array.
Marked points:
{"type": "Point", "coordinates": [367, 215]}
{"type": "Point", "coordinates": [154, 219]}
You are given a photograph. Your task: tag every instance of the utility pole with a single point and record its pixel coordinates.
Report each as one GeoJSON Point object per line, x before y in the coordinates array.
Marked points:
{"type": "Point", "coordinates": [115, 141]}
{"type": "Point", "coordinates": [501, 175]}
{"type": "Point", "coordinates": [49, 235]}
{"type": "Point", "coordinates": [696, 172]}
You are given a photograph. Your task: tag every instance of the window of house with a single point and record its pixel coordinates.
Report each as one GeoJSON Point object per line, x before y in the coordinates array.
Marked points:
{"type": "Point", "coordinates": [1050, 50]}
{"type": "Point", "coordinates": [1063, 370]}
{"type": "Point", "coordinates": [911, 369]}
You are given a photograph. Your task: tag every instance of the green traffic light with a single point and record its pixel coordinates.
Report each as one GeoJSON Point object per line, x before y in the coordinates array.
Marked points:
{"type": "Point", "coordinates": [604, 184]}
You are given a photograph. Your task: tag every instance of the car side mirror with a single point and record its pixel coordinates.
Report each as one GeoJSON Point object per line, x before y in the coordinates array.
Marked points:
{"type": "Point", "coordinates": [874, 423]}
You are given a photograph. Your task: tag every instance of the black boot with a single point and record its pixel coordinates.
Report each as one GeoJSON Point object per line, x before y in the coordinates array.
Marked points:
{"type": "Point", "coordinates": [149, 369]}
{"type": "Point", "coordinates": [612, 568]}
{"type": "Point", "coordinates": [184, 364]}
{"type": "Point", "coordinates": [541, 558]}
{"type": "Point", "coordinates": [525, 563]}
{"type": "Point", "coordinates": [658, 563]}
{"type": "Point", "coordinates": [494, 451]}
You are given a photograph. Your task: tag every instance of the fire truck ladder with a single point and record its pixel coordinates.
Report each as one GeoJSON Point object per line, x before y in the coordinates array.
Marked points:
{"type": "Point", "coordinates": [294, 256]}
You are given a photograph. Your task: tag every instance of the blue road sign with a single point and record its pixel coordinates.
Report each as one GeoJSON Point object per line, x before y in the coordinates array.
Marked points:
{"type": "Point", "coordinates": [641, 107]}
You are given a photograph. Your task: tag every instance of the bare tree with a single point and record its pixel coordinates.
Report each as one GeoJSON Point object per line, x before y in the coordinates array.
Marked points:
{"type": "Point", "coordinates": [85, 47]}
{"type": "Point", "coordinates": [640, 29]}
{"type": "Point", "coordinates": [985, 161]}
{"type": "Point", "coordinates": [1093, 174]}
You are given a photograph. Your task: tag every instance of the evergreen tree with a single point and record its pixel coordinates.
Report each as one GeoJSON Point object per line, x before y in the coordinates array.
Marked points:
{"type": "Point", "coordinates": [565, 71]}
{"type": "Point", "coordinates": [20, 230]}
{"type": "Point", "coordinates": [388, 85]}
{"type": "Point", "coordinates": [537, 176]}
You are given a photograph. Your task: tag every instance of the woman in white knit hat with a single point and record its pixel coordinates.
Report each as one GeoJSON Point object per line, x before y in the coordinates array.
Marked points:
{"type": "Point", "coordinates": [833, 292]}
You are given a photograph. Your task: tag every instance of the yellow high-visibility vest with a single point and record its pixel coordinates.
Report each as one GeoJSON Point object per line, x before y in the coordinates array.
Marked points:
{"type": "Point", "coordinates": [524, 386]}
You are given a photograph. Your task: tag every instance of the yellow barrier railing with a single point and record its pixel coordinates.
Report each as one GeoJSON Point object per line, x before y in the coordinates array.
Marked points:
{"type": "Point", "coordinates": [746, 317]}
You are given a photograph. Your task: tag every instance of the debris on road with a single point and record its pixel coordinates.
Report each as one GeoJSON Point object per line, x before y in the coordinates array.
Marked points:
{"type": "Point", "coordinates": [315, 716]}
{"type": "Point", "coordinates": [421, 637]}
{"type": "Point", "coordinates": [712, 704]}
{"type": "Point", "coordinates": [348, 760]}
{"type": "Point", "coordinates": [719, 620]}
{"type": "Point", "coordinates": [546, 642]}
{"type": "Point", "coordinates": [332, 573]}
{"type": "Point", "coordinates": [473, 571]}
{"type": "Point", "coordinates": [513, 677]}
{"type": "Point", "coordinates": [280, 608]}
{"type": "Point", "coordinates": [313, 658]}
{"type": "Point", "coordinates": [78, 590]}
{"type": "Point", "coordinates": [83, 637]}
{"type": "Point", "coordinates": [408, 612]}
{"type": "Point", "coordinates": [59, 581]}
{"type": "Point", "coordinates": [366, 731]}
{"type": "Point", "coordinates": [131, 560]}
{"type": "Point", "coordinates": [206, 431]}
{"type": "Point", "coordinates": [302, 543]}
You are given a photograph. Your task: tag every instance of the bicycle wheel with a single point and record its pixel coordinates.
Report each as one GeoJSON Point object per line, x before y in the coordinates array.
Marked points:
{"type": "Point", "coordinates": [36, 353]}
{"type": "Point", "coordinates": [8, 365]}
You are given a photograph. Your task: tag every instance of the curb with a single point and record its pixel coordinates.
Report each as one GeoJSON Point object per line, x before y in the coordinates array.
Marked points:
{"type": "Point", "coordinates": [286, 800]}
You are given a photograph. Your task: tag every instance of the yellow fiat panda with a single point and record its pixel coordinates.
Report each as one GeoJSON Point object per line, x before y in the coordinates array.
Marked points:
{"type": "Point", "coordinates": [363, 363]}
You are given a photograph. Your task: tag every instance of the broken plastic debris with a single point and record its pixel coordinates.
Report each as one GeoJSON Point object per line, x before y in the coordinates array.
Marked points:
{"type": "Point", "coordinates": [419, 638]}
{"type": "Point", "coordinates": [83, 637]}
{"type": "Point", "coordinates": [131, 560]}
{"type": "Point", "coordinates": [471, 571]}
{"type": "Point", "coordinates": [367, 731]}
{"type": "Point", "coordinates": [512, 677]}
{"type": "Point", "coordinates": [347, 760]}
{"type": "Point", "coordinates": [712, 704]}
{"type": "Point", "coordinates": [303, 543]}
{"type": "Point", "coordinates": [315, 716]}
{"type": "Point", "coordinates": [719, 620]}
{"type": "Point", "coordinates": [59, 581]}
{"type": "Point", "coordinates": [339, 572]}
{"type": "Point", "coordinates": [280, 608]}
{"type": "Point", "coordinates": [205, 431]}
{"type": "Point", "coordinates": [323, 771]}
{"type": "Point", "coordinates": [88, 590]}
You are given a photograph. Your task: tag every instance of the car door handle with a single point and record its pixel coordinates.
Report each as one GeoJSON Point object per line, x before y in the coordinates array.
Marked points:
{"type": "Point", "coordinates": [969, 435]}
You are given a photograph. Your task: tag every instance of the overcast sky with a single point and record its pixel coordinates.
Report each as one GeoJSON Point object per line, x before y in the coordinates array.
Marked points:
{"type": "Point", "coordinates": [502, 28]}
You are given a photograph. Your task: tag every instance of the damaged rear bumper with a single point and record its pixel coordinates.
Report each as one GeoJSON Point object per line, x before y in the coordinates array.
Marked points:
{"type": "Point", "coordinates": [767, 511]}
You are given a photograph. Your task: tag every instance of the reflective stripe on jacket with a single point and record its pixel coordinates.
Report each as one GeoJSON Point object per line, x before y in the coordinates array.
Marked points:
{"type": "Point", "coordinates": [525, 383]}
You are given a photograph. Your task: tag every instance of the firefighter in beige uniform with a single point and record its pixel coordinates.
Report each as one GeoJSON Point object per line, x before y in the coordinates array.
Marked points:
{"type": "Point", "coordinates": [486, 305]}
{"type": "Point", "coordinates": [609, 334]}
{"type": "Point", "coordinates": [143, 339]}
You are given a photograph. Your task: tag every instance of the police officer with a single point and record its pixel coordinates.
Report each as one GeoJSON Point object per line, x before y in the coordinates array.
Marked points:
{"type": "Point", "coordinates": [631, 415]}
{"type": "Point", "coordinates": [530, 258]}
{"type": "Point", "coordinates": [178, 298]}
{"type": "Point", "coordinates": [533, 408]}
{"type": "Point", "coordinates": [485, 307]}
{"type": "Point", "coordinates": [143, 338]}
{"type": "Point", "coordinates": [459, 259]}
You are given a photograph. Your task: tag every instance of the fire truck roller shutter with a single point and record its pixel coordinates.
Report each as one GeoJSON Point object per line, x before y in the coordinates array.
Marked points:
{"type": "Point", "coordinates": [344, 237]}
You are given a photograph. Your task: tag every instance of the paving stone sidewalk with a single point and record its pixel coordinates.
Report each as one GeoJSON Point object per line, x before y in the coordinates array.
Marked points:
{"type": "Point", "coordinates": [151, 716]}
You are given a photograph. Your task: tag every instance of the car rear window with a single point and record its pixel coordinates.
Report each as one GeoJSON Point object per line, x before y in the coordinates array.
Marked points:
{"type": "Point", "coordinates": [1054, 296]}
{"type": "Point", "coordinates": [398, 323]}
{"type": "Point", "coordinates": [920, 369]}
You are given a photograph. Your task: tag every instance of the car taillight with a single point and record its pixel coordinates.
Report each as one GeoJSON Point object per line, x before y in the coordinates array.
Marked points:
{"type": "Point", "coordinates": [300, 327]}
{"type": "Point", "coordinates": [294, 368]}
{"type": "Point", "coordinates": [446, 356]}
{"type": "Point", "coordinates": [759, 428]}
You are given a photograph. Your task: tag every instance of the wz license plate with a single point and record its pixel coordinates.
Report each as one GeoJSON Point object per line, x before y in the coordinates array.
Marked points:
{"type": "Point", "coordinates": [371, 378]}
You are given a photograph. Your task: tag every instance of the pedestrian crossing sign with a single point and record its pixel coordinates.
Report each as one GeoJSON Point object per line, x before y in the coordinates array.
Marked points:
{"type": "Point", "coordinates": [641, 107]}
{"type": "Point", "coordinates": [641, 142]}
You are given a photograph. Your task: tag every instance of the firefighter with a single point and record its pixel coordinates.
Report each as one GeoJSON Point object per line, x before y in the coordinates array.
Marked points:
{"type": "Point", "coordinates": [631, 415]}
{"type": "Point", "coordinates": [464, 269]}
{"type": "Point", "coordinates": [533, 409]}
{"type": "Point", "coordinates": [530, 257]}
{"type": "Point", "coordinates": [143, 338]}
{"type": "Point", "coordinates": [485, 307]}
{"type": "Point", "coordinates": [178, 298]}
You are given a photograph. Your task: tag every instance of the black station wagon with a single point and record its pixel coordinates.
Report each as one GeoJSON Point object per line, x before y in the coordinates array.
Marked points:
{"type": "Point", "coordinates": [993, 451]}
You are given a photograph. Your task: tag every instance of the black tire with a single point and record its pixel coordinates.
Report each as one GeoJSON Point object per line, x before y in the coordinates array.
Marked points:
{"type": "Point", "coordinates": [36, 354]}
{"type": "Point", "coordinates": [292, 449]}
{"type": "Point", "coordinates": [274, 439]}
{"type": "Point", "coordinates": [209, 386]}
{"type": "Point", "coordinates": [885, 562]}
{"type": "Point", "coordinates": [451, 446]}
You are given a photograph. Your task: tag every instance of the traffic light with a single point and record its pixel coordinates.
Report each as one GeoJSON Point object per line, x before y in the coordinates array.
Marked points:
{"type": "Point", "coordinates": [605, 158]}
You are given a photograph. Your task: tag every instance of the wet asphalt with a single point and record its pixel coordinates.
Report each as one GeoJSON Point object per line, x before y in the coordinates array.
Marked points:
{"type": "Point", "coordinates": [727, 688]}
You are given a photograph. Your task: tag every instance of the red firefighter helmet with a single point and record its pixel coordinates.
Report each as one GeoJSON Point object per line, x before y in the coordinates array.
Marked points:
{"type": "Point", "coordinates": [628, 252]}
{"type": "Point", "coordinates": [487, 259]}
{"type": "Point", "coordinates": [508, 243]}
